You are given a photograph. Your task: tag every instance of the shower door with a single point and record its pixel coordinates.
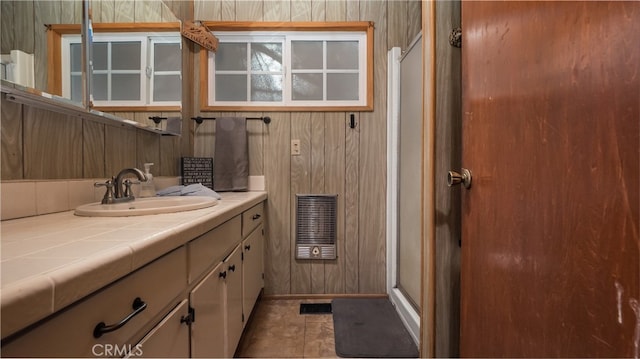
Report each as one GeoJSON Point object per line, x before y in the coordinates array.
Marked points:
{"type": "Point", "coordinates": [409, 175]}
{"type": "Point", "coordinates": [404, 178]}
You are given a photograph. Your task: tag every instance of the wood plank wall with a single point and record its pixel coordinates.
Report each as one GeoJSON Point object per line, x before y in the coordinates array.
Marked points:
{"type": "Point", "coordinates": [57, 146]}
{"type": "Point", "coordinates": [334, 158]}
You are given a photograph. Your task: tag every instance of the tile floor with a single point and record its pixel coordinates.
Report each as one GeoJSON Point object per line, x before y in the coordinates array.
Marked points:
{"type": "Point", "coordinates": [278, 330]}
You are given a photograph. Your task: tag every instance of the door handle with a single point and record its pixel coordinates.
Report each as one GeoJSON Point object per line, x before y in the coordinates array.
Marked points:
{"type": "Point", "coordinates": [455, 178]}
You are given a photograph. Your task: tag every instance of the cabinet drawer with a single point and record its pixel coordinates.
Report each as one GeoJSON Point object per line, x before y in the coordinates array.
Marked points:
{"type": "Point", "coordinates": [213, 246]}
{"type": "Point", "coordinates": [251, 218]}
{"type": "Point", "coordinates": [70, 333]}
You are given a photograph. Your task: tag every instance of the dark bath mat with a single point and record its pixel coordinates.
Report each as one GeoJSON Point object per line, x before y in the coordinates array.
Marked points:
{"type": "Point", "coordinates": [370, 328]}
{"type": "Point", "coordinates": [315, 308]}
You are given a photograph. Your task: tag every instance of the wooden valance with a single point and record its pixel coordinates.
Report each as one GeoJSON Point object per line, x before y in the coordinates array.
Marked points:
{"type": "Point", "coordinates": [197, 32]}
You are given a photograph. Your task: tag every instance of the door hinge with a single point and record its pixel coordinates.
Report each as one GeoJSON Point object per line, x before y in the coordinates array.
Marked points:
{"type": "Point", "coordinates": [243, 317]}
{"type": "Point", "coordinates": [455, 37]}
{"type": "Point", "coordinates": [189, 318]}
{"type": "Point", "coordinates": [242, 256]}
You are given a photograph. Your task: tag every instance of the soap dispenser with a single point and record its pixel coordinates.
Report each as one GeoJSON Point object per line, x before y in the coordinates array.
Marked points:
{"type": "Point", "coordinates": [147, 188]}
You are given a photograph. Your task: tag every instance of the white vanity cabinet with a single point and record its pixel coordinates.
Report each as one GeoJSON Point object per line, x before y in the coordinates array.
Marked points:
{"type": "Point", "coordinates": [192, 301]}
{"type": "Point", "coordinates": [111, 321]}
{"type": "Point", "coordinates": [217, 271]}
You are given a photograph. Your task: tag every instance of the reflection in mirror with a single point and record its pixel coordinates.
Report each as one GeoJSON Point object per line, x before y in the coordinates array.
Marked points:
{"type": "Point", "coordinates": [26, 33]}
{"type": "Point", "coordinates": [17, 67]}
{"type": "Point", "coordinates": [136, 66]}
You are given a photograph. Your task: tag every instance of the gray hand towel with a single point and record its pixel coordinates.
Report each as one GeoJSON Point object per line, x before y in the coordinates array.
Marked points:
{"type": "Point", "coordinates": [231, 157]}
{"type": "Point", "coordinates": [174, 125]}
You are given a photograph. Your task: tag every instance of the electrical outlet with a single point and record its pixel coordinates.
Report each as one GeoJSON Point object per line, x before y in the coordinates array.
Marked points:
{"type": "Point", "coordinates": [295, 147]}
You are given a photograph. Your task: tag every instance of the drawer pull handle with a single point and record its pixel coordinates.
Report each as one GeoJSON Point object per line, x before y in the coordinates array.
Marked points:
{"type": "Point", "coordinates": [247, 247]}
{"type": "Point", "coordinates": [232, 268]}
{"type": "Point", "coordinates": [255, 216]}
{"type": "Point", "coordinates": [101, 328]}
{"type": "Point", "coordinates": [223, 274]}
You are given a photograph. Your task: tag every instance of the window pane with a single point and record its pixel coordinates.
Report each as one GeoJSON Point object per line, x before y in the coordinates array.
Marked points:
{"type": "Point", "coordinates": [167, 57]}
{"type": "Point", "coordinates": [100, 87]}
{"type": "Point", "coordinates": [231, 56]}
{"type": "Point", "coordinates": [266, 88]}
{"type": "Point", "coordinates": [75, 53]}
{"type": "Point", "coordinates": [307, 87]}
{"type": "Point", "coordinates": [125, 55]}
{"type": "Point", "coordinates": [76, 88]}
{"type": "Point", "coordinates": [231, 87]}
{"type": "Point", "coordinates": [342, 55]}
{"type": "Point", "coordinates": [100, 55]}
{"type": "Point", "coordinates": [266, 57]}
{"type": "Point", "coordinates": [125, 87]}
{"type": "Point", "coordinates": [342, 87]}
{"type": "Point", "coordinates": [306, 54]}
{"type": "Point", "coordinates": [167, 88]}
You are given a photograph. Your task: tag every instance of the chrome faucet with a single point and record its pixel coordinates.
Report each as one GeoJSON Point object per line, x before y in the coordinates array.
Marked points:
{"type": "Point", "coordinates": [125, 192]}
{"type": "Point", "coordinates": [119, 188]}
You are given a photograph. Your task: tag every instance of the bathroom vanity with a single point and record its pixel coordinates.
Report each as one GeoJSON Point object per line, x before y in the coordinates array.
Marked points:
{"type": "Point", "coordinates": [167, 285]}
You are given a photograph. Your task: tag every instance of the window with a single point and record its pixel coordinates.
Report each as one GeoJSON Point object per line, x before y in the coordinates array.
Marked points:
{"type": "Point", "coordinates": [312, 66]}
{"type": "Point", "coordinates": [137, 69]}
{"type": "Point", "coordinates": [247, 69]}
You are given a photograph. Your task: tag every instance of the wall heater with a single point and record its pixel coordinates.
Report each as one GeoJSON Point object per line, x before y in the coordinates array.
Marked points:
{"type": "Point", "coordinates": [316, 216]}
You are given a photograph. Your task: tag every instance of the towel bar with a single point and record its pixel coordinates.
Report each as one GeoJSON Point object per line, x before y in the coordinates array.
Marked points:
{"type": "Point", "coordinates": [265, 119]}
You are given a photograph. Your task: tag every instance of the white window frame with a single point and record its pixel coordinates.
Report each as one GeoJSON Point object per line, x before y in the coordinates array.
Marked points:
{"type": "Point", "coordinates": [327, 31]}
{"type": "Point", "coordinates": [161, 39]}
{"type": "Point", "coordinates": [146, 39]}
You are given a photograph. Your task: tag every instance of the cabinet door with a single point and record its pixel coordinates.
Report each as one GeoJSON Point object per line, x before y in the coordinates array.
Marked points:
{"type": "Point", "coordinates": [252, 269]}
{"type": "Point", "coordinates": [168, 339]}
{"type": "Point", "coordinates": [233, 289]}
{"type": "Point", "coordinates": [207, 301]}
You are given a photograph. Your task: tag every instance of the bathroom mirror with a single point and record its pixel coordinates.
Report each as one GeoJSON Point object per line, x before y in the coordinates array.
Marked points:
{"type": "Point", "coordinates": [39, 59]}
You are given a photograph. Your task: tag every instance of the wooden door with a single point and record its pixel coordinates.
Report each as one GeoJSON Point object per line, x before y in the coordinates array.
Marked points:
{"type": "Point", "coordinates": [551, 134]}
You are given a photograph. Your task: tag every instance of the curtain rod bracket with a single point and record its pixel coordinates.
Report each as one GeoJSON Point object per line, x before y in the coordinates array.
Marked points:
{"type": "Point", "coordinates": [157, 119]}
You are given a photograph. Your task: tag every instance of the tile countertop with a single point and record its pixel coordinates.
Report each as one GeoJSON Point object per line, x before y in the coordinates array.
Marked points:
{"type": "Point", "coordinates": [51, 261]}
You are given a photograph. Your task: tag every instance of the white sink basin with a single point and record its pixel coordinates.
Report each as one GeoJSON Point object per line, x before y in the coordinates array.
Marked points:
{"type": "Point", "coordinates": [145, 206]}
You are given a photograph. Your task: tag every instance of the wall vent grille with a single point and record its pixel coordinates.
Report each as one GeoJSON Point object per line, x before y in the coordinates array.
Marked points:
{"type": "Point", "coordinates": [316, 216]}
